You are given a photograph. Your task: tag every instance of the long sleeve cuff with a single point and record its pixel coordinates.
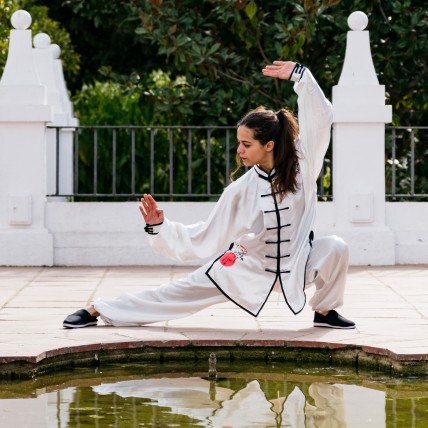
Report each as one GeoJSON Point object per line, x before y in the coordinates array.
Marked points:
{"type": "Point", "coordinates": [297, 72]}
{"type": "Point", "coordinates": [153, 229]}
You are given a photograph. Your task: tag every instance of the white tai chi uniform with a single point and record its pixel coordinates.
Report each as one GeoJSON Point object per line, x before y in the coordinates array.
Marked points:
{"type": "Point", "coordinates": [264, 240]}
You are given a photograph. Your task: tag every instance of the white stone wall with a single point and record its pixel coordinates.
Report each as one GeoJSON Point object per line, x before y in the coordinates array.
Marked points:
{"type": "Point", "coordinates": [112, 233]}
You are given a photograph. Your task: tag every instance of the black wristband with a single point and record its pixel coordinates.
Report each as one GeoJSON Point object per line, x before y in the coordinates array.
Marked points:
{"type": "Point", "coordinates": [297, 72]}
{"type": "Point", "coordinates": [149, 228]}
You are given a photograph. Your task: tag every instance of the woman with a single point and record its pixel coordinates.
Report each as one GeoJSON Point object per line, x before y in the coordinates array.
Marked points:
{"type": "Point", "coordinates": [265, 219]}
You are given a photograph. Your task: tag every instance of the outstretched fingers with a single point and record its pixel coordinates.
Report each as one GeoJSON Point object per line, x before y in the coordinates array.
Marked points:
{"type": "Point", "coordinates": [143, 209]}
{"type": "Point", "coordinates": [279, 69]}
{"type": "Point", "coordinates": [150, 211]}
{"type": "Point", "coordinates": [270, 71]}
{"type": "Point", "coordinates": [146, 205]}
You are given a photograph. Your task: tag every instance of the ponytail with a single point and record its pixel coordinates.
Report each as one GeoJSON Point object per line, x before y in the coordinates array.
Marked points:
{"type": "Point", "coordinates": [285, 155]}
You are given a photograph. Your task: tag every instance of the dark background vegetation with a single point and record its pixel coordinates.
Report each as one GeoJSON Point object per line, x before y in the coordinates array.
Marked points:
{"type": "Point", "coordinates": [198, 62]}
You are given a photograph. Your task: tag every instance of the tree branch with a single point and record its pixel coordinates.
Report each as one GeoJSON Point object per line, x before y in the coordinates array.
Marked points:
{"type": "Point", "coordinates": [262, 53]}
{"type": "Point", "coordinates": [383, 14]}
{"type": "Point", "coordinates": [247, 82]}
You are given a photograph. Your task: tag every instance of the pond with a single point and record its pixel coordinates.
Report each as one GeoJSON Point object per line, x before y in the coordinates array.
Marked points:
{"type": "Point", "coordinates": [237, 395]}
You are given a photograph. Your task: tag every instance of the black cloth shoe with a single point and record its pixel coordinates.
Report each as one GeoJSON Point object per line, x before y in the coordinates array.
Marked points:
{"type": "Point", "coordinates": [332, 320]}
{"type": "Point", "coordinates": [79, 319]}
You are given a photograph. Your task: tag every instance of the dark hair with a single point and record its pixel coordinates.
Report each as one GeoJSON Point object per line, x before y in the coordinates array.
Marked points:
{"type": "Point", "coordinates": [280, 127]}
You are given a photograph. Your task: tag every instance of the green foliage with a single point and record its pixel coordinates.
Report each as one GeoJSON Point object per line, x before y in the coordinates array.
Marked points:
{"type": "Point", "coordinates": [110, 103]}
{"type": "Point", "coordinates": [220, 47]}
{"type": "Point", "coordinates": [211, 53]}
{"type": "Point", "coordinates": [5, 8]}
{"type": "Point", "coordinates": [404, 162]}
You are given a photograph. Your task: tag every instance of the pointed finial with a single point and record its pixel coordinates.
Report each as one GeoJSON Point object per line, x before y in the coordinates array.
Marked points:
{"type": "Point", "coordinates": [56, 51]}
{"type": "Point", "coordinates": [41, 41]}
{"type": "Point", "coordinates": [358, 21]}
{"type": "Point", "coordinates": [21, 20]}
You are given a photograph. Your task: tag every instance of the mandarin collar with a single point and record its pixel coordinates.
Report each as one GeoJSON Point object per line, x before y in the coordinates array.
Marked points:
{"type": "Point", "coordinates": [263, 174]}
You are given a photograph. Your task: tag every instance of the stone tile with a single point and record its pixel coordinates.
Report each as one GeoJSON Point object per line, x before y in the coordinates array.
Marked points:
{"type": "Point", "coordinates": [63, 272]}
{"type": "Point", "coordinates": [13, 283]}
{"type": "Point", "coordinates": [381, 313]}
{"type": "Point", "coordinates": [389, 305]}
{"type": "Point", "coordinates": [59, 303]}
{"type": "Point", "coordinates": [125, 282]}
{"type": "Point", "coordinates": [407, 271]}
{"type": "Point", "coordinates": [21, 272]}
{"type": "Point", "coordinates": [284, 334]}
{"type": "Point", "coordinates": [65, 284]}
{"type": "Point", "coordinates": [6, 296]}
{"type": "Point", "coordinates": [376, 292]}
{"type": "Point", "coordinates": [411, 352]}
{"type": "Point", "coordinates": [199, 335]}
{"type": "Point", "coordinates": [34, 314]}
{"type": "Point", "coordinates": [155, 272]}
{"type": "Point", "coordinates": [216, 323]}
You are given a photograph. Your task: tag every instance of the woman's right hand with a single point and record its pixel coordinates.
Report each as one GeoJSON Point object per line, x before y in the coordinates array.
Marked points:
{"type": "Point", "coordinates": [150, 211]}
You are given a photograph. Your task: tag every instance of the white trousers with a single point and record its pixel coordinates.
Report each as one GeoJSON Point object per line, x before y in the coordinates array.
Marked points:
{"type": "Point", "coordinates": [326, 270]}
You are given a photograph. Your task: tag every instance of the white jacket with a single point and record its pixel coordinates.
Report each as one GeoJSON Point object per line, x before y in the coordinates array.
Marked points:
{"type": "Point", "coordinates": [263, 240]}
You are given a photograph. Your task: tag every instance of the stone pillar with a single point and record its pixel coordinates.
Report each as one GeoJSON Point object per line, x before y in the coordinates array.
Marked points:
{"type": "Point", "coordinates": [50, 71]}
{"type": "Point", "coordinates": [24, 112]}
{"type": "Point", "coordinates": [66, 156]}
{"type": "Point", "coordinates": [359, 116]}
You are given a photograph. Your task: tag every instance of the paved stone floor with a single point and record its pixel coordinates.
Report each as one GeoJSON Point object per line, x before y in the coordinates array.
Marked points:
{"type": "Point", "coordinates": [388, 304]}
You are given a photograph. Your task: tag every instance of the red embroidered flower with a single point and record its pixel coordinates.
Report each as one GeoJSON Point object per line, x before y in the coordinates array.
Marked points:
{"type": "Point", "coordinates": [228, 259]}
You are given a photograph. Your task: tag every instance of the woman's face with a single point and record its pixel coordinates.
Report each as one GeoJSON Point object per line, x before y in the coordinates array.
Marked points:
{"type": "Point", "coordinates": [252, 152]}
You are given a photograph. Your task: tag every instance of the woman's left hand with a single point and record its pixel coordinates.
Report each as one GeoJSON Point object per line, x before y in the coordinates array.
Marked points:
{"type": "Point", "coordinates": [279, 69]}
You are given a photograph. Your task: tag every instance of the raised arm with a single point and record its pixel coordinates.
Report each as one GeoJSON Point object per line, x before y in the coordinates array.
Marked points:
{"type": "Point", "coordinates": [315, 111]}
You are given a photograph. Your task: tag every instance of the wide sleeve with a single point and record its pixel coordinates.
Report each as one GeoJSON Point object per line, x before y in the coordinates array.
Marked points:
{"type": "Point", "coordinates": [225, 223]}
{"type": "Point", "coordinates": [315, 119]}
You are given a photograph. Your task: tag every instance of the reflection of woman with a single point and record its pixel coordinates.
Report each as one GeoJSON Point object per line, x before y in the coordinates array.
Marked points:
{"type": "Point", "coordinates": [188, 396]}
{"type": "Point", "coordinates": [265, 218]}
{"type": "Point", "coordinates": [247, 407]}
{"type": "Point", "coordinates": [334, 405]}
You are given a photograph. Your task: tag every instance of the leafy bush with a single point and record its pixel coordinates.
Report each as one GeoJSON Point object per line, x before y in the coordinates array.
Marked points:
{"type": "Point", "coordinates": [180, 155]}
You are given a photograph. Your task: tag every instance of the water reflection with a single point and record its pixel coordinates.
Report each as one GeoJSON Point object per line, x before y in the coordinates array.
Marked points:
{"type": "Point", "coordinates": [192, 396]}
{"type": "Point", "coordinates": [283, 397]}
{"type": "Point", "coordinates": [332, 405]}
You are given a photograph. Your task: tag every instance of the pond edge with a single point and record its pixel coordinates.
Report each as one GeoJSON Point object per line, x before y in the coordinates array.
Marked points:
{"type": "Point", "coordinates": [327, 353]}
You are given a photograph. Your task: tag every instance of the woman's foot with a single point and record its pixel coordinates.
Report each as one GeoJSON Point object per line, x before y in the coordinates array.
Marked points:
{"type": "Point", "coordinates": [81, 318]}
{"type": "Point", "coordinates": [91, 309]}
{"type": "Point", "coordinates": [332, 319]}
